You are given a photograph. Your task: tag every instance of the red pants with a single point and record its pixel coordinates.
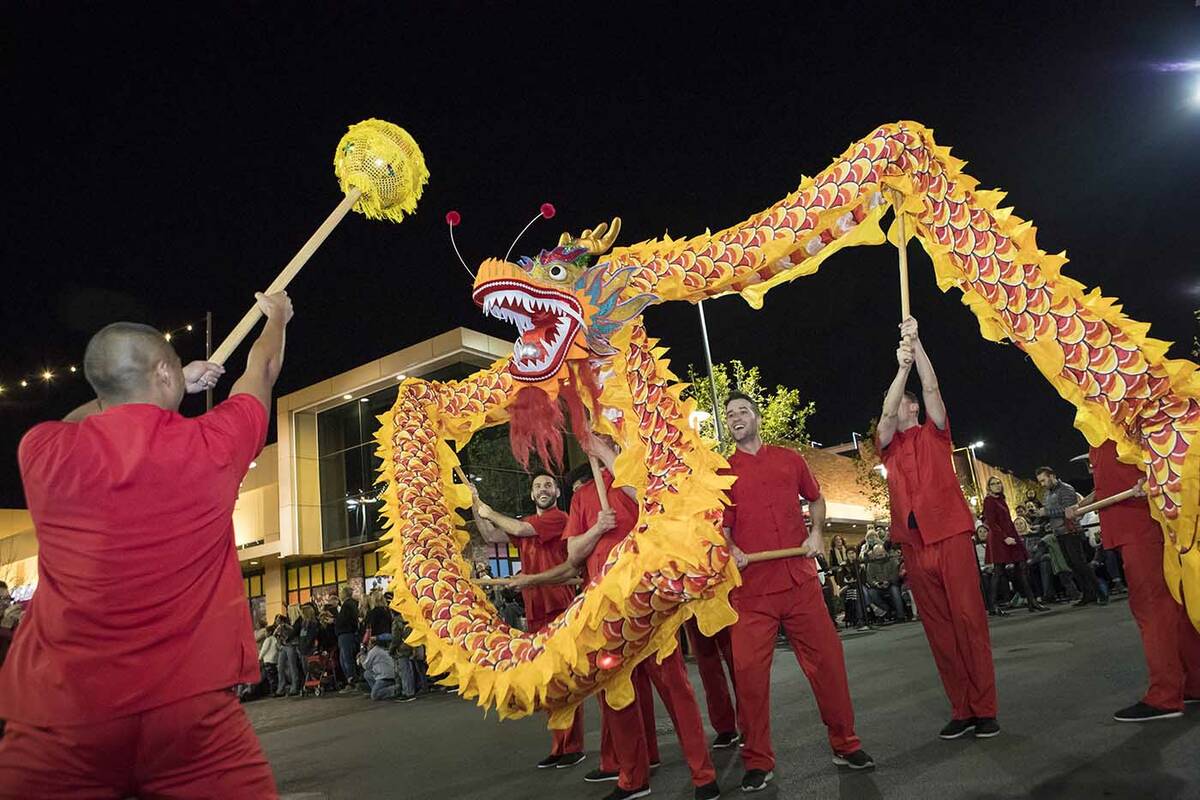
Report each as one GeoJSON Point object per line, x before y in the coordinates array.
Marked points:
{"type": "Point", "coordinates": [626, 734]}
{"type": "Point", "coordinates": [567, 740]}
{"type": "Point", "coordinates": [1171, 644]}
{"type": "Point", "coordinates": [944, 577]}
{"type": "Point", "coordinates": [709, 650]}
{"type": "Point", "coordinates": [199, 747]}
{"type": "Point", "coordinates": [805, 619]}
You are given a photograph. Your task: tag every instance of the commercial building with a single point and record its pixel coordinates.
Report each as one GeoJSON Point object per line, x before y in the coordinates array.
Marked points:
{"type": "Point", "coordinates": [307, 517]}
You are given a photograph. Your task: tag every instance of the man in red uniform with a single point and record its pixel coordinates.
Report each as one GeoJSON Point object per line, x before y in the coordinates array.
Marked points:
{"type": "Point", "coordinates": [765, 514]}
{"type": "Point", "coordinates": [538, 538]}
{"type": "Point", "coordinates": [934, 526]}
{"type": "Point", "coordinates": [1171, 644]}
{"type": "Point", "coordinates": [120, 680]}
{"type": "Point", "coordinates": [591, 534]}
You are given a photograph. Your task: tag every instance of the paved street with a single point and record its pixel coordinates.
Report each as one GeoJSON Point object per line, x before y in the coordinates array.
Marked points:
{"type": "Point", "coordinates": [1061, 675]}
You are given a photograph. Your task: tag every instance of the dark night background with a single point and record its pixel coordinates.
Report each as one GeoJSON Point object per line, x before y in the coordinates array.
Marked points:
{"type": "Point", "coordinates": [159, 163]}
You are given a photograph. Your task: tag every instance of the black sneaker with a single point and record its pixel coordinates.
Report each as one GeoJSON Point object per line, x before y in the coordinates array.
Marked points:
{"type": "Point", "coordinates": [568, 760]}
{"type": "Point", "coordinates": [655, 764]}
{"type": "Point", "coordinates": [986, 727]}
{"type": "Point", "coordinates": [755, 780]}
{"type": "Point", "coordinates": [1191, 701]}
{"type": "Point", "coordinates": [726, 740]}
{"type": "Point", "coordinates": [1083, 601]}
{"type": "Point", "coordinates": [627, 794]}
{"type": "Point", "coordinates": [856, 760]}
{"type": "Point", "coordinates": [405, 698]}
{"type": "Point", "coordinates": [549, 762]}
{"type": "Point", "coordinates": [956, 728]}
{"type": "Point", "coordinates": [600, 776]}
{"type": "Point", "coordinates": [709, 791]}
{"type": "Point", "coordinates": [1140, 712]}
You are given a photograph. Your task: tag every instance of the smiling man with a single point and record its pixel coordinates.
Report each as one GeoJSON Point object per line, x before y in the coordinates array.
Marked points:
{"type": "Point", "coordinates": [765, 514]}
{"type": "Point", "coordinates": [538, 538]}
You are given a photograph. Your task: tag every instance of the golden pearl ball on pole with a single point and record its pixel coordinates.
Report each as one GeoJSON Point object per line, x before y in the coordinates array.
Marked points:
{"type": "Point", "coordinates": [383, 162]}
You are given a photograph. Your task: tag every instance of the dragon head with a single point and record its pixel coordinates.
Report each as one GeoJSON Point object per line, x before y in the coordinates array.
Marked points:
{"type": "Point", "coordinates": [562, 305]}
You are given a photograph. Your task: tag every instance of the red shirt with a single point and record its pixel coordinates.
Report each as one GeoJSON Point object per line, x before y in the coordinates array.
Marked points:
{"type": "Point", "coordinates": [140, 600]}
{"type": "Point", "coordinates": [922, 485]}
{"type": "Point", "coordinates": [766, 515]}
{"type": "Point", "coordinates": [585, 509]}
{"type": "Point", "coordinates": [539, 553]}
{"type": "Point", "coordinates": [1127, 522]}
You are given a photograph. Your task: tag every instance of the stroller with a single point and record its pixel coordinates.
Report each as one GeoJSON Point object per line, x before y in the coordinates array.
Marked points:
{"type": "Point", "coordinates": [318, 674]}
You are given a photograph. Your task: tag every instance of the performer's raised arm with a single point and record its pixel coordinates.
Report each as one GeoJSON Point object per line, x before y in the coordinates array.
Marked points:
{"type": "Point", "coordinates": [266, 356]}
{"type": "Point", "coordinates": [495, 527]}
{"type": "Point", "coordinates": [935, 409]}
{"type": "Point", "coordinates": [889, 418]}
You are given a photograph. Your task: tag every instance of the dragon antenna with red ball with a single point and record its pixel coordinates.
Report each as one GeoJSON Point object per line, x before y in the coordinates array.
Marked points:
{"type": "Point", "coordinates": [452, 219]}
{"type": "Point", "coordinates": [545, 212]}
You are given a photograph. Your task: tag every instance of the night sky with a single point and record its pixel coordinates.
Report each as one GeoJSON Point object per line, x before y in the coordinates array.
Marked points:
{"type": "Point", "coordinates": [160, 166]}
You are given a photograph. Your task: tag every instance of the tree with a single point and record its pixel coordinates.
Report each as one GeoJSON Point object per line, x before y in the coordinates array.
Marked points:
{"type": "Point", "coordinates": [784, 414]}
{"type": "Point", "coordinates": [870, 474]}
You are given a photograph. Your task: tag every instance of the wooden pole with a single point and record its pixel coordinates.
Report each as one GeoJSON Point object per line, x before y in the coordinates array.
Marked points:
{"type": "Point", "coordinates": [902, 247]}
{"type": "Point", "coordinates": [462, 476]}
{"type": "Point", "coordinates": [1112, 500]}
{"type": "Point", "coordinates": [771, 555]}
{"type": "Point", "coordinates": [247, 323]}
{"type": "Point", "coordinates": [598, 477]}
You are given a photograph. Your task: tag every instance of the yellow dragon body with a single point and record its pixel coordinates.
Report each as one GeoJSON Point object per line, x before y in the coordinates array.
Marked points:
{"type": "Point", "coordinates": [575, 318]}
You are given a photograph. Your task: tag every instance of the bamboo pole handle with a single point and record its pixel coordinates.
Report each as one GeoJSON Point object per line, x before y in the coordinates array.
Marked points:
{"type": "Point", "coordinates": [1105, 502]}
{"type": "Point", "coordinates": [462, 476]}
{"type": "Point", "coordinates": [598, 477]}
{"type": "Point", "coordinates": [771, 555]}
{"type": "Point", "coordinates": [247, 323]}
{"type": "Point", "coordinates": [492, 581]}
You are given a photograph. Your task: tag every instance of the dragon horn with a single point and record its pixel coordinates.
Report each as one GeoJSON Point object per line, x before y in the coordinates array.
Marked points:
{"type": "Point", "coordinates": [596, 240]}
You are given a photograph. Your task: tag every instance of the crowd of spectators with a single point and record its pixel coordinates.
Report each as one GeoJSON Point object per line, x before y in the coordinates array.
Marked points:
{"type": "Point", "coordinates": [335, 644]}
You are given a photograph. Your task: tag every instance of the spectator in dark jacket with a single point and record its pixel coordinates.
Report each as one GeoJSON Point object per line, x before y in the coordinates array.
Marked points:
{"type": "Point", "coordinates": [379, 619]}
{"type": "Point", "coordinates": [345, 625]}
{"type": "Point", "coordinates": [290, 681]}
{"type": "Point", "coordinates": [1059, 497]}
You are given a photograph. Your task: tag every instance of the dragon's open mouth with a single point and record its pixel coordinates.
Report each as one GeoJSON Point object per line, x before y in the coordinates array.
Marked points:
{"type": "Point", "coordinates": [546, 320]}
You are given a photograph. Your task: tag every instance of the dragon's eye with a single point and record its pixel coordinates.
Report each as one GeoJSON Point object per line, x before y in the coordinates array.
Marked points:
{"type": "Point", "coordinates": [557, 272]}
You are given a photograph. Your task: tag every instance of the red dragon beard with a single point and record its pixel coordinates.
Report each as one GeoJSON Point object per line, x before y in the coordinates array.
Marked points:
{"type": "Point", "coordinates": [536, 423]}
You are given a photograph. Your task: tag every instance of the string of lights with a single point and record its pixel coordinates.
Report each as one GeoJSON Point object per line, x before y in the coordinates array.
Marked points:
{"type": "Point", "coordinates": [48, 374]}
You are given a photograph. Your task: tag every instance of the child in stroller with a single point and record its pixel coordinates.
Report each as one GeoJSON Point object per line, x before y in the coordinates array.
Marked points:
{"type": "Point", "coordinates": [318, 674]}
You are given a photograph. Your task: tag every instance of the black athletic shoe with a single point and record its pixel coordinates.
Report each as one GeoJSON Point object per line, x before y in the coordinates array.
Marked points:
{"type": "Point", "coordinates": [655, 764]}
{"type": "Point", "coordinates": [956, 728]}
{"type": "Point", "coordinates": [986, 727]}
{"type": "Point", "coordinates": [755, 780]}
{"type": "Point", "coordinates": [627, 794]}
{"type": "Point", "coordinates": [856, 760]}
{"type": "Point", "coordinates": [709, 791]}
{"type": "Point", "coordinates": [1191, 701]}
{"type": "Point", "coordinates": [1083, 601]}
{"type": "Point", "coordinates": [600, 776]}
{"type": "Point", "coordinates": [568, 760]}
{"type": "Point", "coordinates": [726, 740]}
{"type": "Point", "coordinates": [549, 762]}
{"type": "Point", "coordinates": [1140, 712]}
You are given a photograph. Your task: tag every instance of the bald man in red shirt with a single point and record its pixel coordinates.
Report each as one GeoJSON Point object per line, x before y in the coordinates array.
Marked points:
{"type": "Point", "coordinates": [1169, 640]}
{"type": "Point", "coordinates": [934, 526]}
{"type": "Point", "coordinates": [591, 535]}
{"type": "Point", "coordinates": [539, 541]}
{"type": "Point", "coordinates": [765, 514]}
{"type": "Point", "coordinates": [120, 680]}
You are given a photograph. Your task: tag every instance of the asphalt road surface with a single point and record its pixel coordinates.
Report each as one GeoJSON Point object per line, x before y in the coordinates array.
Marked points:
{"type": "Point", "coordinates": [1061, 675]}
